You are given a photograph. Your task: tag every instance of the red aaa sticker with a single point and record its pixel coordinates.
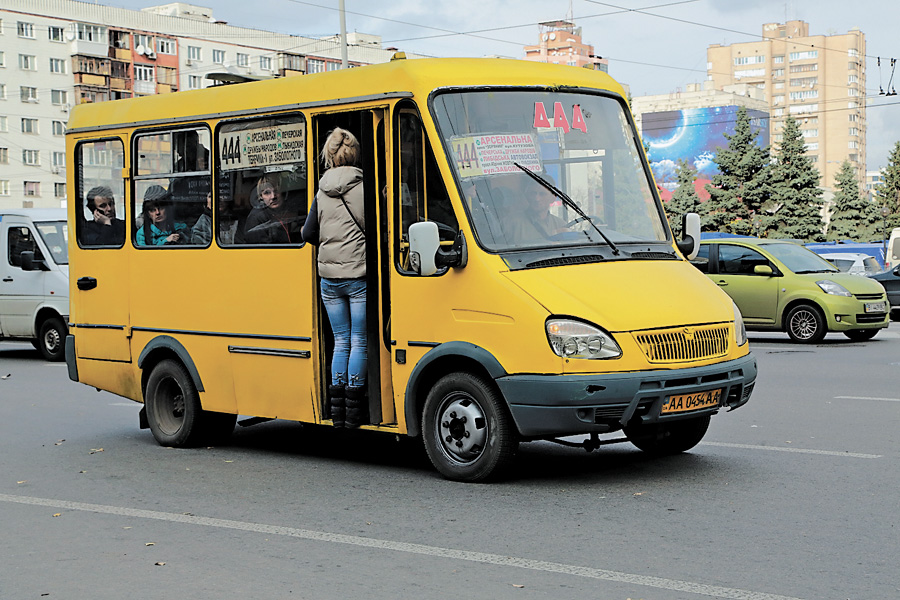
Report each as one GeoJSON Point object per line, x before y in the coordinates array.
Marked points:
{"type": "Point", "coordinates": [559, 117]}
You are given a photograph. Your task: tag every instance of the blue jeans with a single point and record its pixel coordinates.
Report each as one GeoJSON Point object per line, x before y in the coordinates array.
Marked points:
{"type": "Point", "coordinates": [345, 303]}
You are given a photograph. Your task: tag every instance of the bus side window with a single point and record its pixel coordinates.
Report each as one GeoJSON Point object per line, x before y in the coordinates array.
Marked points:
{"type": "Point", "coordinates": [172, 188]}
{"type": "Point", "coordinates": [420, 193]}
{"type": "Point", "coordinates": [100, 191]}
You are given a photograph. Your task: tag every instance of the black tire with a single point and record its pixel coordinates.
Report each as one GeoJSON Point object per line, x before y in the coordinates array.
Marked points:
{"type": "Point", "coordinates": [174, 413]}
{"type": "Point", "coordinates": [805, 324]}
{"type": "Point", "coordinates": [861, 335]}
{"type": "Point", "coordinates": [52, 339]}
{"type": "Point", "coordinates": [467, 430]}
{"type": "Point", "coordinates": [661, 439]}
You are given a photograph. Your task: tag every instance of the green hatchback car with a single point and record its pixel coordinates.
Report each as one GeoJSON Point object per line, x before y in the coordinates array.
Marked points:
{"type": "Point", "coordinates": [781, 286]}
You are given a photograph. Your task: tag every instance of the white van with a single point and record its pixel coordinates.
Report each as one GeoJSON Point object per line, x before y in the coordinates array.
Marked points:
{"type": "Point", "coordinates": [892, 255]}
{"type": "Point", "coordinates": [34, 278]}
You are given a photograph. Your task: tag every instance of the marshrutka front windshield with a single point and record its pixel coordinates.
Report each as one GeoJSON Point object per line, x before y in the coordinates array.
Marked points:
{"type": "Point", "coordinates": [581, 143]}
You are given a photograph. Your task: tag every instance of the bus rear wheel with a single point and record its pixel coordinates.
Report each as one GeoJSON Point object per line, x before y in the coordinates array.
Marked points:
{"type": "Point", "coordinates": [467, 429]}
{"type": "Point", "coordinates": [174, 413]}
{"type": "Point", "coordinates": [662, 439]}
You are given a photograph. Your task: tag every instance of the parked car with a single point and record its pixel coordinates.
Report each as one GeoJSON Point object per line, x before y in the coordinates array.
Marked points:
{"type": "Point", "coordinates": [781, 286]}
{"type": "Point", "coordinates": [891, 282]}
{"type": "Point", "coordinates": [853, 262]}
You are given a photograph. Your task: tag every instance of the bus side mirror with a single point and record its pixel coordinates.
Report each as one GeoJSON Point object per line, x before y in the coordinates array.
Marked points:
{"type": "Point", "coordinates": [690, 228]}
{"type": "Point", "coordinates": [423, 247]}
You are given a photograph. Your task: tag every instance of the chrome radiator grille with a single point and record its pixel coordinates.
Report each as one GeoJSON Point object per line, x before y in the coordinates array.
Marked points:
{"type": "Point", "coordinates": [685, 343]}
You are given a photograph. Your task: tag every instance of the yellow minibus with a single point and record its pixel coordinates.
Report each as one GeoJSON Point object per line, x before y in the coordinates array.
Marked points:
{"type": "Point", "coordinates": [522, 281]}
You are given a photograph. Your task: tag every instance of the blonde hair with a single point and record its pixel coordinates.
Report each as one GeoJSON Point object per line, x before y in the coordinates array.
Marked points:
{"type": "Point", "coordinates": [341, 149]}
{"type": "Point", "coordinates": [267, 181]}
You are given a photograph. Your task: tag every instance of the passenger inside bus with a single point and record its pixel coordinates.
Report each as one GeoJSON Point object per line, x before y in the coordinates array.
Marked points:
{"type": "Point", "coordinates": [105, 229]}
{"type": "Point", "coordinates": [159, 227]}
{"type": "Point", "coordinates": [276, 220]}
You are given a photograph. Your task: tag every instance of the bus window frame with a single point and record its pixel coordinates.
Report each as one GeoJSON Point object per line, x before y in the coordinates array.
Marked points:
{"type": "Point", "coordinates": [80, 192]}
{"type": "Point", "coordinates": [171, 129]}
{"type": "Point", "coordinates": [216, 158]}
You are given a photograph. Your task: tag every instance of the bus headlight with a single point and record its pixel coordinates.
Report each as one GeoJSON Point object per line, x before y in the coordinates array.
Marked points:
{"type": "Point", "coordinates": [575, 339]}
{"type": "Point", "coordinates": [740, 332]}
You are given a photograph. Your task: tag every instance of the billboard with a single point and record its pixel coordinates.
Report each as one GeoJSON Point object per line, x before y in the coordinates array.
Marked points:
{"type": "Point", "coordinates": [693, 134]}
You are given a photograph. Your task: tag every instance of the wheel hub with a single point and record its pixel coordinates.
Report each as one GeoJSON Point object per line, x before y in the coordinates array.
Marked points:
{"type": "Point", "coordinates": [51, 340]}
{"type": "Point", "coordinates": [803, 325]}
{"type": "Point", "coordinates": [462, 428]}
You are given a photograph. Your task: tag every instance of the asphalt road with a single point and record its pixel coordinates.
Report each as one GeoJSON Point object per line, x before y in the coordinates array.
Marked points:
{"type": "Point", "coordinates": [794, 496]}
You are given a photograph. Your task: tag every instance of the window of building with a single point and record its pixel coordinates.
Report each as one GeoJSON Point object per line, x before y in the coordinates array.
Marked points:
{"type": "Point", "coordinates": [218, 57]}
{"type": "Point", "coordinates": [28, 94]}
{"type": "Point", "coordinates": [32, 188]}
{"type": "Point", "coordinates": [4, 187]}
{"type": "Point", "coordinates": [28, 62]}
{"type": "Point", "coordinates": [243, 60]}
{"type": "Point", "coordinates": [314, 65]}
{"type": "Point", "coordinates": [143, 73]}
{"type": "Point", "coordinates": [804, 81]}
{"type": "Point", "coordinates": [4, 124]}
{"type": "Point", "coordinates": [854, 117]}
{"type": "Point", "coordinates": [265, 63]}
{"type": "Point", "coordinates": [119, 39]}
{"type": "Point", "coordinates": [853, 104]}
{"type": "Point", "coordinates": [804, 68]}
{"type": "Point", "coordinates": [58, 159]}
{"type": "Point", "coordinates": [812, 146]}
{"type": "Point", "coordinates": [805, 55]}
{"type": "Point", "coordinates": [749, 60]}
{"type": "Point", "coordinates": [292, 62]}
{"type": "Point", "coordinates": [809, 133]}
{"type": "Point", "coordinates": [334, 66]}
{"type": "Point", "coordinates": [778, 85]}
{"type": "Point", "coordinates": [778, 112]}
{"type": "Point", "coordinates": [853, 131]}
{"type": "Point", "coordinates": [852, 79]}
{"type": "Point", "coordinates": [31, 157]}
{"type": "Point", "coordinates": [58, 65]}
{"type": "Point", "coordinates": [852, 52]}
{"type": "Point", "coordinates": [144, 40]}
{"type": "Point", "coordinates": [165, 45]}
{"type": "Point", "coordinates": [59, 128]}
{"type": "Point", "coordinates": [90, 33]}
{"type": "Point", "coordinates": [803, 108]}
{"type": "Point", "coordinates": [193, 53]}
{"type": "Point", "coordinates": [852, 144]}
{"type": "Point", "coordinates": [25, 30]}
{"type": "Point", "coordinates": [777, 72]}
{"type": "Point", "coordinates": [55, 34]}
{"type": "Point", "coordinates": [194, 82]}
{"type": "Point", "coordinates": [59, 97]}
{"type": "Point", "coordinates": [750, 73]}
{"type": "Point", "coordinates": [59, 190]}
{"type": "Point", "coordinates": [29, 125]}
{"type": "Point", "coordinates": [4, 156]}
{"type": "Point", "coordinates": [804, 95]}
{"type": "Point", "coordinates": [778, 59]}
{"type": "Point", "coordinates": [167, 75]}
{"type": "Point", "coordinates": [779, 99]}
{"type": "Point", "coordinates": [852, 91]}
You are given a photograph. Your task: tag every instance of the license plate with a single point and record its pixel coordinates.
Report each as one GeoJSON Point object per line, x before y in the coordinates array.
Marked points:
{"type": "Point", "coordinates": [875, 307]}
{"type": "Point", "coordinates": [689, 402]}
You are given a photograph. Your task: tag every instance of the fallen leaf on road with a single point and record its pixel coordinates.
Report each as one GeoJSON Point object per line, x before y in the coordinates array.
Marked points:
{"type": "Point", "coordinates": [150, 544]}
{"type": "Point", "coordinates": [57, 515]}
{"type": "Point", "coordinates": [518, 585]}
{"type": "Point", "coordinates": [96, 450]}
{"type": "Point", "coordinates": [7, 376]}
{"type": "Point", "coordinates": [160, 564]}
{"type": "Point", "coordinates": [23, 481]}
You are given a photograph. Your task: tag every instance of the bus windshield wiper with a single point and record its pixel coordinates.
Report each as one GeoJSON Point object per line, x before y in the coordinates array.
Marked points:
{"type": "Point", "coordinates": [571, 204]}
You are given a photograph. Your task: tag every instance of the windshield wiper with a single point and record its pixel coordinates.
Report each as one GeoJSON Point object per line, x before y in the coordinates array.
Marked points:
{"type": "Point", "coordinates": [571, 204]}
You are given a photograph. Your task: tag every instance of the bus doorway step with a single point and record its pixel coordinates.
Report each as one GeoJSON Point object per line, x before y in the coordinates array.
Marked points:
{"type": "Point", "coordinates": [254, 421]}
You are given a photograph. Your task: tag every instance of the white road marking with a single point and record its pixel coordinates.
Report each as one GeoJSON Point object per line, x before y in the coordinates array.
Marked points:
{"type": "Point", "coordinates": [866, 398]}
{"type": "Point", "coordinates": [796, 450]}
{"type": "Point", "coordinates": [420, 549]}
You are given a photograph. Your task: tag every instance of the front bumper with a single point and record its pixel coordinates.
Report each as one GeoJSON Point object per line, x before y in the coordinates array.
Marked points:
{"type": "Point", "coordinates": [844, 314]}
{"type": "Point", "coordinates": [559, 405]}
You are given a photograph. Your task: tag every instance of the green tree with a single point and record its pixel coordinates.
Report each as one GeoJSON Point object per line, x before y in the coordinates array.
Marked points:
{"type": "Point", "coordinates": [740, 190]}
{"type": "Point", "coordinates": [853, 217]}
{"type": "Point", "coordinates": [795, 193]}
{"type": "Point", "coordinates": [888, 191]}
{"type": "Point", "coordinates": [684, 199]}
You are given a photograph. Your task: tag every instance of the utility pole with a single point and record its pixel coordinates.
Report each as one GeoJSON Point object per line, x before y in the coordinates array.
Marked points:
{"type": "Point", "coordinates": [343, 34]}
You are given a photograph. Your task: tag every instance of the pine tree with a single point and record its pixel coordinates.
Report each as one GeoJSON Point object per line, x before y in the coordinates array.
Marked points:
{"type": "Point", "coordinates": [684, 199]}
{"type": "Point", "coordinates": [854, 217]}
{"type": "Point", "coordinates": [740, 190]}
{"type": "Point", "coordinates": [888, 191]}
{"type": "Point", "coordinates": [796, 195]}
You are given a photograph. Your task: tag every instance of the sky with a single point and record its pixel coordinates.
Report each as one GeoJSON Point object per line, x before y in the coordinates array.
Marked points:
{"type": "Point", "coordinates": [653, 46]}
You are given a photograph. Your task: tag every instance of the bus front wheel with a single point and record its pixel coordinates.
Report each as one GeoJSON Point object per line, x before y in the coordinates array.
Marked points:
{"type": "Point", "coordinates": [467, 429]}
{"type": "Point", "coordinates": [668, 438]}
{"type": "Point", "coordinates": [174, 412]}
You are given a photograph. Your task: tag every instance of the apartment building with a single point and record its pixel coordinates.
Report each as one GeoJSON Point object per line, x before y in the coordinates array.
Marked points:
{"type": "Point", "coordinates": [58, 53]}
{"type": "Point", "coordinates": [560, 43]}
{"type": "Point", "coordinates": [820, 80]}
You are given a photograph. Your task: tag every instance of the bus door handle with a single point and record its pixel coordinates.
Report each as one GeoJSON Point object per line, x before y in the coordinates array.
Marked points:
{"type": "Point", "coordinates": [87, 283]}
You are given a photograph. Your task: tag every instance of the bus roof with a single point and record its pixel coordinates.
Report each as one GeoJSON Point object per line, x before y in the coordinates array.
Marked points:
{"type": "Point", "coordinates": [398, 78]}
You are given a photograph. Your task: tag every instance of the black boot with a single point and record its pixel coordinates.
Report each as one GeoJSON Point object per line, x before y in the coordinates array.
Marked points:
{"type": "Point", "coordinates": [356, 406]}
{"type": "Point", "coordinates": [337, 410]}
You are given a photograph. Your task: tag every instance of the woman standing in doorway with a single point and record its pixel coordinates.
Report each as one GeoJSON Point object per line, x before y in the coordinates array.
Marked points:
{"type": "Point", "coordinates": [336, 224]}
